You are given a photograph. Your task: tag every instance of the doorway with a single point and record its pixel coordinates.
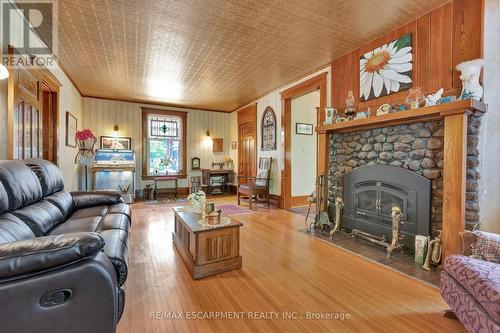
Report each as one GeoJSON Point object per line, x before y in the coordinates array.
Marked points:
{"type": "Point", "coordinates": [247, 141]}
{"type": "Point", "coordinates": [303, 147]}
{"type": "Point", "coordinates": [318, 84]}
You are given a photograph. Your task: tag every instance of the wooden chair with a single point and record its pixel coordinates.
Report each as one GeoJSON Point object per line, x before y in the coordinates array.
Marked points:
{"type": "Point", "coordinates": [256, 187]}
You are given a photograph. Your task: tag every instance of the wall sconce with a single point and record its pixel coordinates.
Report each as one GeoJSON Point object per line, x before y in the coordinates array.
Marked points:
{"type": "Point", "coordinates": [115, 131]}
{"type": "Point", "coordinates": [4, 72]}
{"type": "Point", "coordinates": [208, 133]}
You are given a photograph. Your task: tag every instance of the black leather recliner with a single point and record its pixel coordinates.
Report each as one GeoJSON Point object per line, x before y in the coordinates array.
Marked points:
{"type": "Point", "coordinates": [63, 256]}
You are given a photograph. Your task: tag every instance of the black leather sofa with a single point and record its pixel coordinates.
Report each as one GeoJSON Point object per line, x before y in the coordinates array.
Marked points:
{"type": "Point", "coordinates": [63, 256]}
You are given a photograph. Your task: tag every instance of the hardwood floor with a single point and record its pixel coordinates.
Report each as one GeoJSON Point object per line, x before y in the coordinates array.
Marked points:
{"type": "Point", "coordinates": [284, 271]}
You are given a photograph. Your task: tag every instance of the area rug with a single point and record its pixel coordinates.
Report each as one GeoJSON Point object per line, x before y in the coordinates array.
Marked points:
{"type": "Point", "coordinates": [165, 201]}
{"type": "Point", "coordinates": [232, 210]}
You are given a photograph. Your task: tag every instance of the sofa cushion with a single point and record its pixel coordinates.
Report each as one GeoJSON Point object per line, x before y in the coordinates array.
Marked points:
{"type": "Point", "coordinates": [114, 221]}
{"type": "Point", "coordinates": [486, 246]}
{"type": "Point", "coordinates": [49, 175]}
{"type": "Point", "coordinates": [84, 224]}
{"type": "Point", "coordinates": [63, 201]}
{"type": "Point", "coordinates": [120, 208]}
{"type": "Point", "coordinates": [480, 278]}
{"type": "Point", "coordinates": [115, 249]}
{"type": "Point", "coordinates": [90, 212]}
{"type": "Point", "coordinates": [4, 200]}
{"type": "Point", "coordinates": [40, 217]}
{"type": "Point", "coordinates": [13, 229]}
{"type": "Point", "coordinates": [470, 313]}
{"type": "Point", "coordinates": [20, 183]}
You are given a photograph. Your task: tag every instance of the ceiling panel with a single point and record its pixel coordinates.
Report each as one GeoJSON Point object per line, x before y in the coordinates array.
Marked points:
{"type": "Point", "coordinates": [213, 54]}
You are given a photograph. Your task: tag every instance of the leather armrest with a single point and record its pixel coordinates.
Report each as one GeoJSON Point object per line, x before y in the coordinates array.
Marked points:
{"type": "Point", "coordinates": [42, 253]}
{"type": "Point", "coordinates": [96, 198]}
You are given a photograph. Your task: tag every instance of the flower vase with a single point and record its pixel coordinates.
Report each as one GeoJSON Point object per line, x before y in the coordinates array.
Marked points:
{"type": "Point", "coordinates": [470, 72]}
{"type": "Point", "coordinates": [198, 206]}
{"type": "Point", "coordinates": [85, 153]}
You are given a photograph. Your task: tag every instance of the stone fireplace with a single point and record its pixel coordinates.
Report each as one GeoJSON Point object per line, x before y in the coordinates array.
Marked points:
{"type": "Point", "coordinates": [438, 143]}
{"type": "Point", "coordinates": [417, 148]}
{"type": "Point", "coordinates": [370, 193]}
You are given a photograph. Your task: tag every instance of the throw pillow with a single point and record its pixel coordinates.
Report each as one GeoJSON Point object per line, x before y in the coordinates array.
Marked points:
{"type": "Point", "coordinates": [486, 247]}
{"type": "Point", "coordinates": [261, 178]}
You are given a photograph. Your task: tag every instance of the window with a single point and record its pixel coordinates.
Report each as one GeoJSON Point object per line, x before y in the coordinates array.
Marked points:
{"type": "Point", "coordinates": [268, 129]}
{"type": "Point", "coordinates": [164, 138]}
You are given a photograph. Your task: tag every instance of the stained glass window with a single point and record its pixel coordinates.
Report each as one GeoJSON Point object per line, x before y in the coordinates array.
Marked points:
{"type": "Point", "coordinates": [268, 129]}
{"type": "Point", "coordinates": [164, 144]}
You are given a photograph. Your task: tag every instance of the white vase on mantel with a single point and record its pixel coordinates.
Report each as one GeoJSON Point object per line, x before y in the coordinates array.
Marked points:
{"type": "Point", "coordinates": [470, 72]}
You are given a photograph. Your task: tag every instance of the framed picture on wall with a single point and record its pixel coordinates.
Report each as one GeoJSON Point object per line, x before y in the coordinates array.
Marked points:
{"type": "Point", "coordinates": [304, 129]}
{"type": "Point", "coordinates": [234, 145]}
{"type": "Point", "coordinates": [116, 143]}
{"type": "Point", "coordinates": [386, 69]}
{"type": "Point", "coordinates": [71, 127]}
{"type": "Point", "coordinates": [218, 145]}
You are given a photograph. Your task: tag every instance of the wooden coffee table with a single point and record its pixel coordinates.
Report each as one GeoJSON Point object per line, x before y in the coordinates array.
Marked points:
{"type": "Point", "coordinates": [206, 250]}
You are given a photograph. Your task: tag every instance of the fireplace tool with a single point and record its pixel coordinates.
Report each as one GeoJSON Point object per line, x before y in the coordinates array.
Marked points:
{"type": "Point", "coordinates": [396, 237]}
{"type": "Point", "coordinates": [433, 252]}
{"type": "Point", "coordinates": [321, 221]}
{"type": "Point", "coordinates": [339, 204]}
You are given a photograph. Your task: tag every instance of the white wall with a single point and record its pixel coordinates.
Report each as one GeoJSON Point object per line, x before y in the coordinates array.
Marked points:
{"type": "Point", "coordinates": [303, 147]}
{"type": "Point", "coordinates": [100, 115]}
{"type": "Point", "coordinates": [69, 100]}
{"type": "Point", "coordinates": [273, 99]}
{"type": "Point", "coordinates": [490, 124]}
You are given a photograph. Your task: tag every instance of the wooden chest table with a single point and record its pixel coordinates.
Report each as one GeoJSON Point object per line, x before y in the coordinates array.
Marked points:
{"type": "Point", "coordinates": [206, 251]}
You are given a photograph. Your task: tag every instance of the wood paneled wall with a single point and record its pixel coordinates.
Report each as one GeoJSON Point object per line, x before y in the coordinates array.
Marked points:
{"type": "Point", "coordinates": [441, 39]}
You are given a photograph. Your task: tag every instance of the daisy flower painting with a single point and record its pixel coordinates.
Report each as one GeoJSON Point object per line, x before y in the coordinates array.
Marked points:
{"type": "Point", "coordinates": [386, 69]}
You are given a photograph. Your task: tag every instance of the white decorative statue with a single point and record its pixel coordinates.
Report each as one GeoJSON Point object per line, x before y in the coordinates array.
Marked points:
{"type": "Point", "coordinates": [433, 99]}
{"type": "Point", "coordinates": [470, 71]}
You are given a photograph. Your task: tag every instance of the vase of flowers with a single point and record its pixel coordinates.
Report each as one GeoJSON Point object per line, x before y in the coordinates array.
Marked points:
{"type": "Point", "coordinates": [198, 200]}
{"type": "Point", "coordinates": [85, 140]}
{"type": "Point", "coordinates": [229, 163]}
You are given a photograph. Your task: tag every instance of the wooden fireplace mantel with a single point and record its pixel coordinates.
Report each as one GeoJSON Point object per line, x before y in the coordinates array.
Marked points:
{"type": "Point", "coordinates": [455, 154]}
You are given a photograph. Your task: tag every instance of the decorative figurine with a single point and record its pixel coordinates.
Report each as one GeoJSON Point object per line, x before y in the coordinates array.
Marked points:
{"type": "Point", "coordinates": [147, 192]}
{"type": "Point", "coordinates": [415, 98]}
{"type": "Point", "coordinates": [330, 115]}
{"type": "Point", "coordinates": [361, 115]}
{"type": "Point", "coordinates": [434, 251]}
{"type": "Point", "coordinates": [433, 99]}
{"type": "Point", "coordinates": [447, 99]}
{"type": "Point", "coordinates": [470, 71]}
{"type": "Point", "coordinates": [383, 109]}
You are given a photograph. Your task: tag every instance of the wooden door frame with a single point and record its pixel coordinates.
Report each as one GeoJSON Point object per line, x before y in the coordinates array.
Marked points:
{"type": "Point", "coordinates": [248, 114]}
{"type": "Point", "coordinates": [314, 84]}
{"type": "Point", "coordinates": [46, 82]}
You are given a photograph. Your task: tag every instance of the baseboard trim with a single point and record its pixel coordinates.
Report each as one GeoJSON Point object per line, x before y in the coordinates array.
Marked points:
{"type": "Point", "coordinates": [300, 201]}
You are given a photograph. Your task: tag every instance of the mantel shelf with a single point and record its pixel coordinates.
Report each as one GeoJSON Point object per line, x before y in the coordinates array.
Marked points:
{"type": "Point", "coordinates": [429, 113]}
